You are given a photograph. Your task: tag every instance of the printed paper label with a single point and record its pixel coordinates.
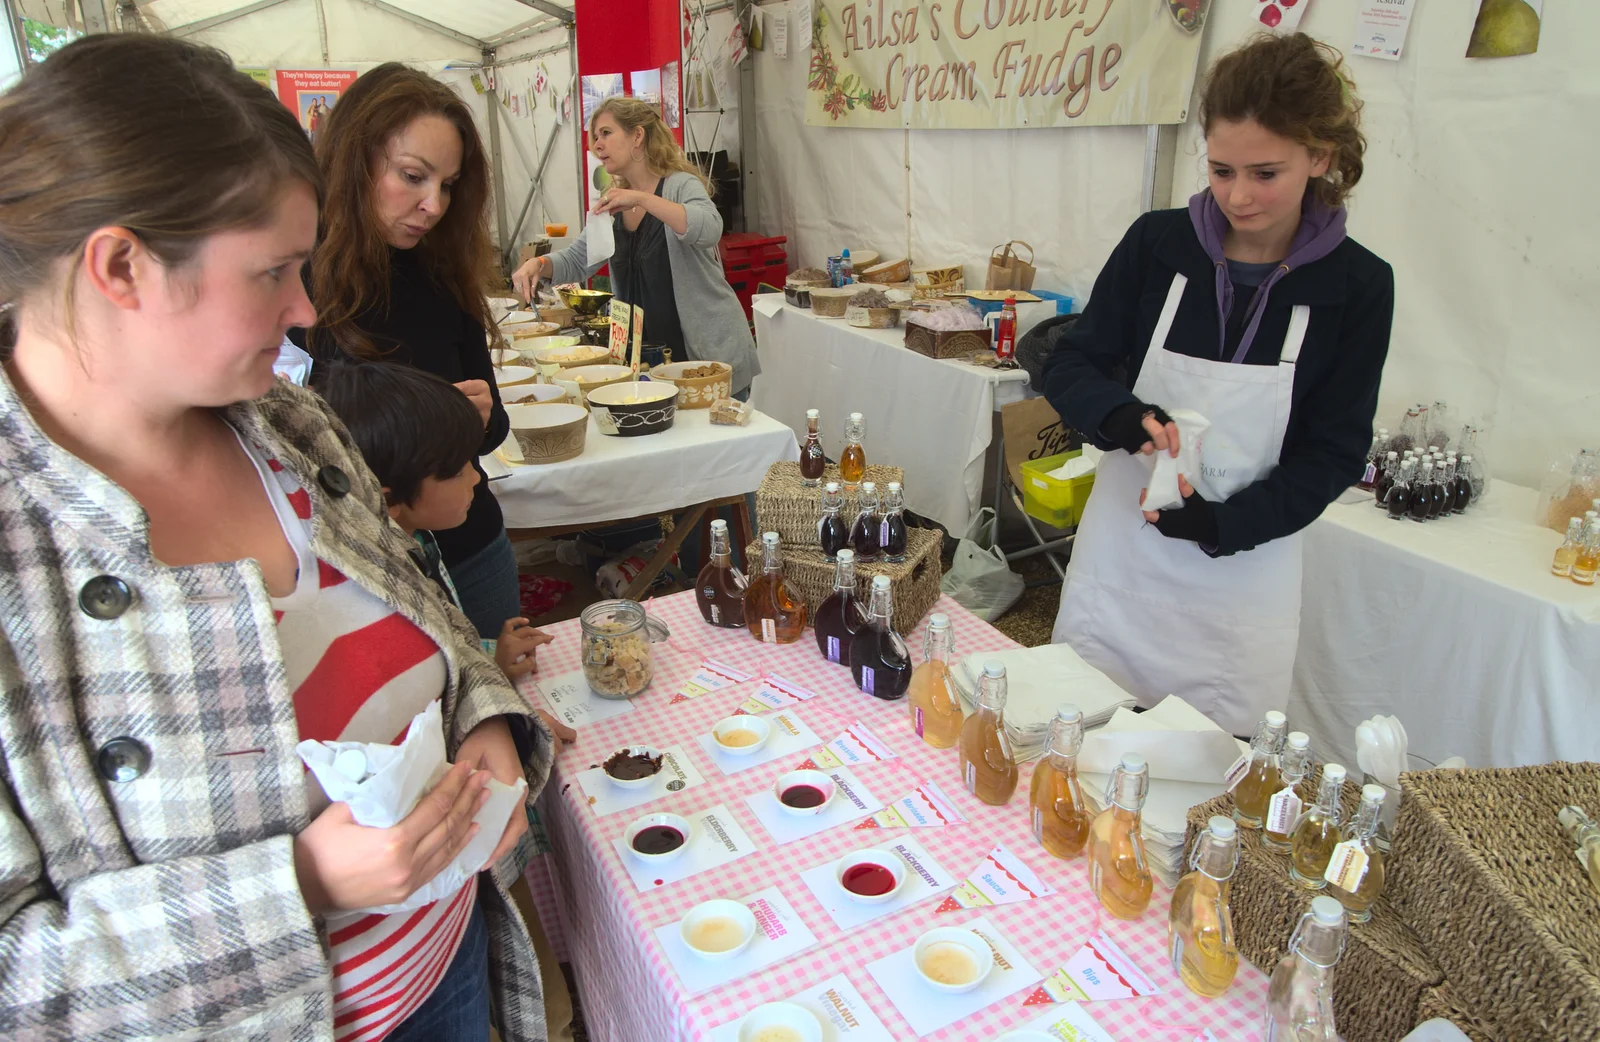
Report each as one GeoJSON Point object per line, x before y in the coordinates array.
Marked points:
{"type": "Point", "coordinates": [916, 720]}
{"type": "Point", "coordinates": [1101, 970]}
{"type": "Point", "coordinates": [1001, 878]}
{"type": "Point", "coordinates": [769, 631]}
{"type": "Point", "coordinates": [856, 746]}
{"type": "Point", "coordinates": [776, 693]}
{"type": "Point", "coordinates": [1347, 866]}
{"type": "Point", "coordinates": [602, 419]}
{"type": "Point", "coordinates": [833, 649]}
{"type": "Point", "coordinates": [1236, 772]}
{"type": "Point", "coordinates": [711, 676]}
{"type": "Point", "coordinates": [925, 807]}
{"type": "Point", "coordinates": [1283, 810]}
{"type": "Point", "coordinates": [869, 679]}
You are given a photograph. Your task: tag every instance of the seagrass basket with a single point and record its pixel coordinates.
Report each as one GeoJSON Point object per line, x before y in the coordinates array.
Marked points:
{"type": "Point", "coordinates": [1444, 1004]}
{"type": "Point", "coordinates": [914, 582]}
{"type": "Point", "coordinates": [785, 504]}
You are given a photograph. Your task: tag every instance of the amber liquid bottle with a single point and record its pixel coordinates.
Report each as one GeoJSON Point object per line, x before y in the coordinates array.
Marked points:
{"type": "Point", "coordinates": [840, 618]}
{"type": "Point", "coordinates": [720, 589]}
{"type": "Point", "coordinates": [853, 461]}
{"type": "Point", "coordinates": [892, 540]}
{"type": "Point", "coordinates": [879, 659]}
{"type": "Point", "coordinates": [1261, 779]}
{"type": "Point", "coordinates": [1119, 870]}
{"type": "Point", "coordinates": [934, 704]}
{"type": "Point", "coordinates": [1355, 869]}
{"type": "Point", "coordinates": [1060, 816]}
{"type": "Point", "coordinates": [1200, 942]}
{"type": "Point", "coordinates": [774, 611]}
{"type": "Point", "coordinates": [812, 461]}
{"type": "Point", "coordinates": [988, 767]}
{"type": "Point", "coordinates": [833, 534]}
{"type": "Point", "coordinates": [869, 524]}
{"type": "Point", "coordinates": [1567, 552]}
{"type": "Point", "coordinates": [1317, 832]}
{"type": "Point", "coordinates": [1283, 809]}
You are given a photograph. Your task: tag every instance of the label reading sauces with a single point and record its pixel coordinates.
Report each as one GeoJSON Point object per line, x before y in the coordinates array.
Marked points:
{"type": "Point", "coordinates": [1347, 866]}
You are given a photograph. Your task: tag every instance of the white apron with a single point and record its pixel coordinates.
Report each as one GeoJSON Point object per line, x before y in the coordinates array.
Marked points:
{"type": "Point", "coordinates": [1159, 616]}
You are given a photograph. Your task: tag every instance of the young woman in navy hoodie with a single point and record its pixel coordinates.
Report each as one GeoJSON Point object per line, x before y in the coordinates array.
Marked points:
{"type": "Point", "coordinates": [1253, 308]}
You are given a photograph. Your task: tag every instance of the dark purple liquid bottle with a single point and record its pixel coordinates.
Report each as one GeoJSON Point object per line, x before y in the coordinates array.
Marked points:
{"type": "Point", "coordinates": [1398, 501]}
{"type": "Point", "coordinates": [893, 537]}
{"type": "Point", "coordinates": [880, 662]}
{"type": "Point", "coordinates": [839, 619]}
{"type": "Point", "coordinates": [833, 534]}
{"type": "Point", "coordinates": [864, 536]}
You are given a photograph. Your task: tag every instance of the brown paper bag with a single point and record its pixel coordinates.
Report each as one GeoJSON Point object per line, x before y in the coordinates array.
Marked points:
{"type": "Point", "coordinates": [1009, 271]}
{"type": "Point", "coordinates": [1033, 430]}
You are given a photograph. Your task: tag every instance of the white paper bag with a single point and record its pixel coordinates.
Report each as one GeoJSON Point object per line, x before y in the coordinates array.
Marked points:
{"type": "Point", "coordinates": [1162, 493]}
{"type": "Point", "coordinates": [599, 238]}
{"type": "Point", "coordinates": [400, 775]}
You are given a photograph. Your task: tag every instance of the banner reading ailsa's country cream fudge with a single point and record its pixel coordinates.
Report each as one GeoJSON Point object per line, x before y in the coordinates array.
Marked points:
{"type": "Point", "coordinates": [980, 64]}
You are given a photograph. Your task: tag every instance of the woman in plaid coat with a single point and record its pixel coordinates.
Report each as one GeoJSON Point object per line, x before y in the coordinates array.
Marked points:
{"type": "Point", "coordinates": [162, 871]}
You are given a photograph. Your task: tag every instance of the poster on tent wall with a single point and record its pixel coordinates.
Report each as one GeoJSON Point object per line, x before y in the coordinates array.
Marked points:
{"type": "Point", "coordinates": [981, 64]}
{"type": "Point", "coordinates": [311, 94]}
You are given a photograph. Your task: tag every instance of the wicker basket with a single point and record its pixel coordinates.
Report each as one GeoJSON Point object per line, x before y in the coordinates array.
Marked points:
{"type": "Point", "coordinates": [946, 343]}
{"type": "Point", "coordinates": [1378, 985]}
{"type": "Point", "coordinates": [871, 318]}
{"type": "Point", "coordinates": [915, 581]}
{"type": "Point", "coordinates": [1444, 1004]}
{"type": "Point", "coordinates": [1486, 877]}
{"type": "Point", "coordinates": [832, 301]}
{"type": "Point", "coordinates": [785, 504]}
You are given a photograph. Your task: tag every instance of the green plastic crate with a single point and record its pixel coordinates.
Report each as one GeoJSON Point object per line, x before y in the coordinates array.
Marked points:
{"type": "Point", "coordinates": [1055, 502]}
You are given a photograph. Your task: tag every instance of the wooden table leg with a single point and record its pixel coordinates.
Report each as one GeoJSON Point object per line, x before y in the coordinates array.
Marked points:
{"type": "Point", "coordinates": [664, 552]}
{"type": "Point", "coordinates": [741, 531]}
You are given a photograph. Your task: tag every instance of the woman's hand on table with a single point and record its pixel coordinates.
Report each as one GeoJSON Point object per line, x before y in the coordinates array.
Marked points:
{"type": "Point", "coordinates": [341, 865]}
{"type": "Point", "coordinates": [477, 392]}
{"type": "Point", "coordinates": [526, 278]}
{"type": "Point", "coordinates": [516, 651]}
{"type": "Point", "coordinates": [490, 748]}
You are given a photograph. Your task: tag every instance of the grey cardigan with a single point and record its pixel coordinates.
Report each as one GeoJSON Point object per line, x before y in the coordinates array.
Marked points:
{"type": "Point", "coordinates": [714, 325]}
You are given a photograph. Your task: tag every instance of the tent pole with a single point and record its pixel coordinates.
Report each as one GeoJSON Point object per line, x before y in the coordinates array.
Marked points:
{"type": "Point", "coordinates": [577, 122]}
{"type": "Point", "coordinates": [322, 32]}
{"type": "Point", "coordinates": [16, 37]}
{"type": "Point", "coordinates": [496, 167]}
{"type": "Point", "coordinates": [534, 188]}
{"type": "Point", "coordinates": [747, 119]}
{"type": "Point", "coordinates": [1160, 156]}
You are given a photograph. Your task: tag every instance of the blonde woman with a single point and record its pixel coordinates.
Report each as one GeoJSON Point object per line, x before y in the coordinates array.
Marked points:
{"type": "Point", "coordinates": [666, 233]}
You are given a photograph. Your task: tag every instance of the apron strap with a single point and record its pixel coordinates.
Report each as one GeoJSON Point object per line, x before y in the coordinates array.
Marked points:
{"type": "Point", "coordinates": [1299, 320]}
{"type": "Point", "coordinates": [1169, 311]}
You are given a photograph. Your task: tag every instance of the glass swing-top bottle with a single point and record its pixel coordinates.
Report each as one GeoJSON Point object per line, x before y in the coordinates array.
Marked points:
{"type": "Point", "coordinates": [720, 589]}
{"type": "Point", "coordinates": [988, 766]}
{"type": "Point", "coordinates": [892, 540]}
{"type": "Point", "coordinates": [1200, 941]}
{"type": "Point", "coordinates": [1060, 817]}
{"type": "Point", "coordinates": [1355, 868]}
{"type": "Point", "coordinates": [1261, 778]}
{"type": "Point", "coordinates": [1300, 994]}
{"type": "Point", "coordinates": [774, 611]}
{"type": "Point", "coordinates": [1283, 809]}
{"type": "Point", "coordinates": [868, 527]}
{"type": "Point", "coordinates": [833, 532]}
{"type": "Point", "coordinates": [1317, 832]}
{"type": "Point", "coordinates": [935, 707]}
{"type": "Point", "coordinates": [853, 461]}
{"type": "Point", "coordinates": [840, 618]}
{"type": "Point", "coordinates": [1585, 835]}
{"type": "Point", "coordinates": [879, 659]}
{"type": "Point", "coordinates": [812, 460]}
{"type": "Point", "coordinates": [1119, 870]}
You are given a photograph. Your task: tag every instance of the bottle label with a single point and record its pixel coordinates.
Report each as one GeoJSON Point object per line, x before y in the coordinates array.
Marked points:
{"type": "Point", "coordinates": [1038, 824]}
{"type": "Point", "coordinates": [1283, 810]}
{"type": "Point", "coordinates": [1347, 866]}
{"type": "Point", "coordinates": [1236, 772]}
{"type": "Point", "coordinates": [916, 720]}
{"type": "Point", "coordinates": [834, 650]}
{"type": "Point", "coordinates": [868, 679]}
{"type": "Point", "coordinates": [1175, 953]}
{"type": "Point", "coordinates": [1370, 475]}
{"type": "Point", "coordinates": [769, 631]}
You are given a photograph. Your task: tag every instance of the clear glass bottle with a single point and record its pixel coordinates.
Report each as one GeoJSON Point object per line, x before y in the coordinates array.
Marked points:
{"type": "Point", "coordinates": [1375, 457]}
{"type": "Point", "coordinates": [1200, 942]}
{"type": "Point", "coordinates": [1283, 810]}
{"type": "Point", "coordinates": [935, 706]}
{"type": "Point", "coordinates": [1468, 447]}
{"type": "Point", "coordinates": [988, 767]}
{"type": "Point", "coordinates": [1439, 424]}
{"type": "Point", "coordinates": [774, 611]}
{"type": "Point", "coordinates": [853, 461]}
{"type": "Point", "coordinates": [812, 460]}
{"type": "Point", "coordinates": [1261, 778]}
{"type": "Point", "coordinates": [840, 618]}
{"type": "Point", "coordinates": [1119, 871]}
{"type": "Point", "coordinates": [892, 536]}
{"type": "Point", "coordinates": [1410, 435]}
{"type": "Point", "coordinates": [1300, 994]}
{"type": "Point", "coordinates": [1317, 832]}
{"type": "Point", "coordinates": [1585, 835]}
{"type": "Point", "coordinates": [879, 659]}
{"type": "Point", "coordinates": [1060, 816]}
{"type": "Point", "coordinates": [1355, 869]}
{"type": "Point", "coordinates": [1398, 501]}
{"type": "Point", "coordinates": [868, 527]}
{"type": "Point", "coordinates": [721, 587]}
{"type": "Point", "coordinates": [1391, 470]}
{"type": "Point", "coordinates": [1567, 552]}
{"type": "Point", "coordinates": [833, 534]}
{"type": "Point", "coordinates": [1587, 561]}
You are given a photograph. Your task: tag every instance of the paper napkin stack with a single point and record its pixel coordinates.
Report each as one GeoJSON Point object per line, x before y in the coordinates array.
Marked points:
{"type": "Point", "coordinates": [1039, 680]}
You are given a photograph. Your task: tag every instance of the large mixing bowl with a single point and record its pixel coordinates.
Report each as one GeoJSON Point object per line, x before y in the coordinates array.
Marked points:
{"type": "Point", "coordinates": [584, 301]}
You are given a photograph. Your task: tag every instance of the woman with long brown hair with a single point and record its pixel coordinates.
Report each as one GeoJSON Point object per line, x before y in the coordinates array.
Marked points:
{"type": "Point", "coordinates": [200, 573]}
{"type": "Point", "coordinates": [666, 232]}
{"type": "Point", "coordinates": [398, 275]}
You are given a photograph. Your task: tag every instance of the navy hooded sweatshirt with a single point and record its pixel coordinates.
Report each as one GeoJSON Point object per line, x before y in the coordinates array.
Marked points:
{"type": "Point", "coordinates": [1351, 294]}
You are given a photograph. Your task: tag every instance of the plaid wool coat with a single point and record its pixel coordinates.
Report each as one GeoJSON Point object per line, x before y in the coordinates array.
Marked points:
{"type": "Point", "coordinates": [166, 906]}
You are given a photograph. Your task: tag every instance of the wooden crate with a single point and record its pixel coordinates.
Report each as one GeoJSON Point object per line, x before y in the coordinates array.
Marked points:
{"type": "Point", "coordinates": [946, 343]}
{"type": "Point", "coordinates": [785, 504]}
{"type": "Point", "coordinates": [914, 581]}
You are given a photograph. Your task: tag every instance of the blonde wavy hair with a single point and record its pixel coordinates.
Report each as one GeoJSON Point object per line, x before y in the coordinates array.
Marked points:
{"type": "Point", "coordinates": [661, 152]}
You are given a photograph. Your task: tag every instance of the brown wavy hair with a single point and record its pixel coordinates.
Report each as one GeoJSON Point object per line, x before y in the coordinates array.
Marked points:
{"type": "Point", "coordinates": [1297, 88]}
{"type": "Point", "coordinates": [661, 152]}
{"type": "Point", "coordinates": [350, 269]}
{"type": "Point", "coordinates": [161, 137]}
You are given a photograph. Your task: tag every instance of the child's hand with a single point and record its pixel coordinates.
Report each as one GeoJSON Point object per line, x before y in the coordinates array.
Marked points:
{"type": "Point", "coordinates": [515, 652]}
{"type": "Point", "coordinates": [564, 734]}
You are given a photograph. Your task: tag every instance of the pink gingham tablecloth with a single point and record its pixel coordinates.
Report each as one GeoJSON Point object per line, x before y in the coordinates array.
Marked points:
{"type": "Point", "coordinates": [629, 990]}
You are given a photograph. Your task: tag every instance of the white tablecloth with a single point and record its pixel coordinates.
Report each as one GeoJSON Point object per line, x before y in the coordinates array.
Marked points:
{"type": "Point", "coordinates": [930, 416]}
{"type": "Point", "coordinates": [1457, 627]}
{"type": "Point", "coordinates": [618, 478]}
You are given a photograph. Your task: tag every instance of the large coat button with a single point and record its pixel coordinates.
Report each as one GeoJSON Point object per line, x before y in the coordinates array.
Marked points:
{"type": "Point", "coordinates": [105, 597]}
{"type": "Point", "coordinates": [123, 759]}
{"type": "Point", "coordinates": [334, 481]}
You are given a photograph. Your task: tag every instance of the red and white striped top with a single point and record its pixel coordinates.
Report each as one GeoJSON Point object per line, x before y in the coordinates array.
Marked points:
{"type": "Point", "coordinates": [359, 673]}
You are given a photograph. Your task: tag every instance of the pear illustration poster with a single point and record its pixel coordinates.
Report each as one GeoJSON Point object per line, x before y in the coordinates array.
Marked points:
{"type": "Point", "coordinates": [1505, 28]}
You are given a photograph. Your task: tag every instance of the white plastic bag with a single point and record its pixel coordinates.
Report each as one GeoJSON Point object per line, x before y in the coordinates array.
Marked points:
{"type": "Point", "coordinates": [979, 579]}
{"type": "Point", "coordinates": [601, 239]}
{"type": "Point", "coordinates": [399, 776]}
{"type": "Point", "coordinates": [1162, 493]}
{"type": "Point", "coordinates": [293, 364]}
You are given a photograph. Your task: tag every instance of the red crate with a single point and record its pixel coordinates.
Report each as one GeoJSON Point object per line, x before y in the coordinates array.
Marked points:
{"type": "Point", "coordinates": [742, 251]}
{"type": "Point", "coordinates": [745, 282]}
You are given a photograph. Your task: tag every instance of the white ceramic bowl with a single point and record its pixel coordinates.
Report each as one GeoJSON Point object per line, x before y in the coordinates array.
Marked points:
{"type": "Point", "coordinates": [815, 779]}
{"type": "Point", "coordinates": [504, 355]}
{"type": "Point", "coordinates": [548, 432]}
{"type": "Point", "coordinates": [566, 351]}
{"type": "Point", "coordinates": [798, 1019]}
{"type": "Point", "coordinates": [500, 306]}
{"type": "Point", "coordinates": [755, 724]}
{"type": "Point", "coordinates": [512, 375]}
{"type": "Point", "coordinates": [648, 750]}
{"type": "Point", "coordinates": [531, 393]}
{"type": "Point", "coordinates": [670, 820]}
{"type": "Point", "coordinates": [597, 375]}
{"type": "Point", "coordinates": [885, 858]}
{"type": "Point", "coordinates": [518, 318]}
{"type": "Point", "coordinates": [982, 955]}
{"type": "Point", "coordinates": [720, 908]}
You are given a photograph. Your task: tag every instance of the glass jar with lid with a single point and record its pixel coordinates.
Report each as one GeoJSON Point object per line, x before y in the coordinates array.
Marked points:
{"type": "Point", "coordinates": [617, 635]}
